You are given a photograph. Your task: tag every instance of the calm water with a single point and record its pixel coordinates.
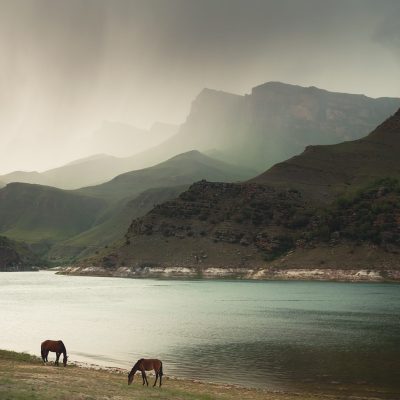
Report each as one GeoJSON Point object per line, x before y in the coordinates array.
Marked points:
{"type": "Point", "coordinates": [263, 334]}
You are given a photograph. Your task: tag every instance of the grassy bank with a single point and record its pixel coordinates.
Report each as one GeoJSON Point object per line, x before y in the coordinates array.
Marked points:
{"type": "Point", "coordinates": [25, 377]}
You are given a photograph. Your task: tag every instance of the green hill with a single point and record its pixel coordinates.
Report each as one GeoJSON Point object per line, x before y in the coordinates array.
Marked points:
{"type": "Point", "coordinates": [35, 213]}
{"type": "Point", "coordinates": [65, 224]}
{"type": "Point", "coordinates": [17, 256]}
{"type": "Point", "coordinates": [182, 169]}
{"type": "Point", "coordinates": [133, 194]}
{"type": "Point", "coordinates": [113, 225]}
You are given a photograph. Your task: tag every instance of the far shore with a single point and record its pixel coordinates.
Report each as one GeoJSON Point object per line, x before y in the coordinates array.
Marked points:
{"type": "Point", "coordinates": [255, 274]}
{"type": "Point", "coordinates": [23, 376]}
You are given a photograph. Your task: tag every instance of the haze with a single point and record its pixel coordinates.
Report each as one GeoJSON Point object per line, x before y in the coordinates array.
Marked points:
{"type": "Point", "coordinates": [67, 66]}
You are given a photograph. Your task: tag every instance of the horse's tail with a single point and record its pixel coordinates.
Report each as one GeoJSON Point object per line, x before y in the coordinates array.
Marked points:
{"type": "Point", "coordinates": [42, 351]}
{"type": "Point", "coordinates": [161, 369]}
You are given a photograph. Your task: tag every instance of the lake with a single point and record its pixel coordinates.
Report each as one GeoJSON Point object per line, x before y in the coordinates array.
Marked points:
{"type": "Point", "coordinates": [275, 335]}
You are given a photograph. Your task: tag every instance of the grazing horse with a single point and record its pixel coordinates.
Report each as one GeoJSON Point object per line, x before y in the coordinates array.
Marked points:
{"type": "Point", "coordinates": [57, 346]}
{"type": "Point", "coordinates": [143, 365]}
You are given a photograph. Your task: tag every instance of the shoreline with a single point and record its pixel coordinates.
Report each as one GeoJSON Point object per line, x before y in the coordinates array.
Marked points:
{"type": "Point", "coordinates": [23, 376]}
{"type": "Point", "coordinates": [364, 275]}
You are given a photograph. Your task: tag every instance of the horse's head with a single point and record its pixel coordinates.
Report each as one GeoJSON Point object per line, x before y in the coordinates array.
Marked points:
{"type": "Point", "coordinates": [65, 359]}
{"type": "Point", "coordinates": [131, 375]}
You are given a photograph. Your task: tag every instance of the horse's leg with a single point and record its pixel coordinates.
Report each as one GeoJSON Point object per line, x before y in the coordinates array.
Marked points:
{"type": "Point", "coordinates": [156, 378]}
{"type": "Point", "coordinates": [143, 377]}
{"type": "Point", "coordinates": [161, 374]}
{"type": "Point", "coordinates": [57, 357]}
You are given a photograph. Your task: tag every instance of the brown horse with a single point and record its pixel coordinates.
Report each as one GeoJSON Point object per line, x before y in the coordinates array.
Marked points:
{"type": "Point", "coordinates": [57, 346]}
{"type": "Point", "coordinates": [143, 365]}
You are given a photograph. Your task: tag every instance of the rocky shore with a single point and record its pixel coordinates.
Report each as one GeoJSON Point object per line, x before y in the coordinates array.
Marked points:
{"type": "Point", "coordinates": [176, 272]}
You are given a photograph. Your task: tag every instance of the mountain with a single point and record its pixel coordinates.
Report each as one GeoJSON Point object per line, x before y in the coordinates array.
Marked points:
{"type": "Point", "coordinates": [79, 221]}
{"type": "Point", "coordinates": [114, 138]}
{"type": "Point", "coordinates": [275, 225]}
{"type": "Point", "coordinates": [276, 121]}
{"type": "Point", "coordinates": [16, 256]}
{"type": "Point", "coordinates": [79, 173]}
{"type": "Point", "coordinates": [133, 194]}
{"type": "Point", "coordinates": [179, 170]}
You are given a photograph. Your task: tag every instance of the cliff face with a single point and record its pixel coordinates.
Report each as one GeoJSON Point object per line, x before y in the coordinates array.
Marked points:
{"type": "Point", "coordinates": [272, 123]}
{"type": "Point", "coordinates": [276, 121]}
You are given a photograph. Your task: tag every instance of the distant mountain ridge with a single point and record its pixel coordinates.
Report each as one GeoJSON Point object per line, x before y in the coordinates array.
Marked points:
{"type": "Point", "coordinates": [112, 138]}
{"type": "Point", "coordinates": [273, 123]}
{"type": "Point", "coordinates": [181, 169]}
{"type": "Point", "coordinates": [276, 121]}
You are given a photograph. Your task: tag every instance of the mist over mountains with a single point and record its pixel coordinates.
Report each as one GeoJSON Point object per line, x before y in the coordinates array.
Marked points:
{"type": "Point", "coordinates": [275, 122]}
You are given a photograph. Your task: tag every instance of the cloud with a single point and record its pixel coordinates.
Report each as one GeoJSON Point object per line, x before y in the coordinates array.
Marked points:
{"type": "Point", "coordinates": [67, 65]}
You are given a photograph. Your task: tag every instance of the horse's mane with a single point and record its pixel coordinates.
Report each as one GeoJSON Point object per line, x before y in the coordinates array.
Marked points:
{"type": "Point", "coordinates": [137, 363]}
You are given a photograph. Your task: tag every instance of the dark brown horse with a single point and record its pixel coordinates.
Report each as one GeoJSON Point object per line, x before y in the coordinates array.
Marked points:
{"type": "Point", "coordinates": [143, 365]}
{"type": "Point", "coordinates": [56, 346]}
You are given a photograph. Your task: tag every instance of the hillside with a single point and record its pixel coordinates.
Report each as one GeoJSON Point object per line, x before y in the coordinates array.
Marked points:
{"type": "Point", "coordinates": [320, 172]}
{"type": "Point", "coordinates": [113, 224]}
{"type": "Point", "coordinates": [182, 169]}
{"type": "Point", "coordinates": [133, 194]}
{"type": "Point", "coordinates": [16, 256]}
{"type": "Point", "coordinates": [272, 222]}
{"type": "Point", "coordinates": [42, 214]}
{"type": "Point", "coordinates": [64, 224]}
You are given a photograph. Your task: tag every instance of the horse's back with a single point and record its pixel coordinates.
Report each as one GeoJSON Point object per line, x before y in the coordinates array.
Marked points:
{"type": "Point", "coordinates": [151, 363]}
{"type": "Point", "coordinates": [53, 345]}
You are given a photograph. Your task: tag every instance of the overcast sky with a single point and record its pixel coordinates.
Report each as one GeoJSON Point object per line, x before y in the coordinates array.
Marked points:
{"type": "Point", "coordinates": [68, 65]}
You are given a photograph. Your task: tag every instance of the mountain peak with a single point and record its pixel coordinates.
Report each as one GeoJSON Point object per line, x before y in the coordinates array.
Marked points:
{"type": "Point", "coordinates": [207, 93]}
{"type": "Point", "coordinates": [288, 88]}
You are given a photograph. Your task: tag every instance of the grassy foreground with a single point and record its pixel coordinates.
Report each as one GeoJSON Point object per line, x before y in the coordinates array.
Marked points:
{"type": "Point", "coordinates": [23, 376]}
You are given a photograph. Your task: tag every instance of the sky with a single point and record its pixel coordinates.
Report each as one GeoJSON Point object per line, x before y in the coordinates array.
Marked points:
{"type": "Point", "coordinates": [68, 65]}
